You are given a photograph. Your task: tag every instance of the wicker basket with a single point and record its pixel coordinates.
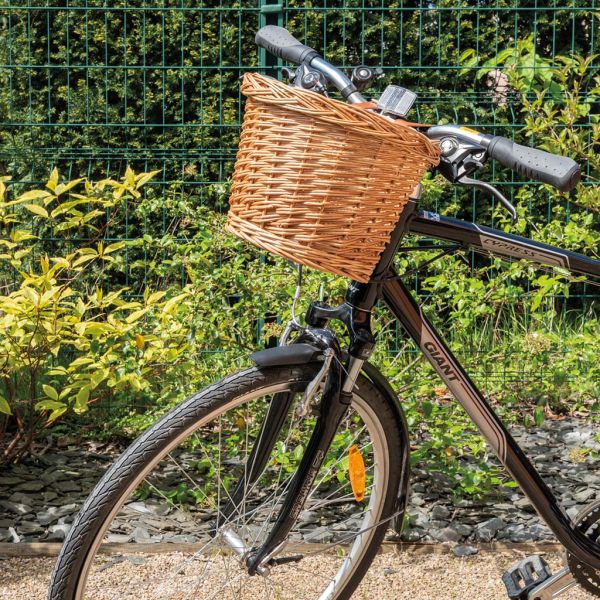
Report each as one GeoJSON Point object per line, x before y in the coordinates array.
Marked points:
{"type": "Point", "coordinates": [319, 181]}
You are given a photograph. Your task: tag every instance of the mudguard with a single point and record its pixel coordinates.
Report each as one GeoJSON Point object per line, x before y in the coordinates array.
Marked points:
{"type": "Point", "coordinates": [304, 353]}
{"type": "Point", "coordinates": [295, 354]}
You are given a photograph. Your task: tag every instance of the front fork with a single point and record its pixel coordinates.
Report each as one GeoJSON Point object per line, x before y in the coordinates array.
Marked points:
{"type": "Point", "coordinates": [335, 400]}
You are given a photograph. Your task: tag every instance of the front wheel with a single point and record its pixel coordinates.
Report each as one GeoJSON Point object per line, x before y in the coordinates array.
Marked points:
{"type": "Point", "coordinates": [154, 528]}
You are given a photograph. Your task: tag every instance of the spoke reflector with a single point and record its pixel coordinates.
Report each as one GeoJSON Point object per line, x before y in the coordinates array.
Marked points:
{"type": "Point", "coordinates": [357, 471]}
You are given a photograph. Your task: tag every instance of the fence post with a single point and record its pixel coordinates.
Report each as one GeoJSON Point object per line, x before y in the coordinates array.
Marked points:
{"type": "Point", "coordinates": [271, 13]}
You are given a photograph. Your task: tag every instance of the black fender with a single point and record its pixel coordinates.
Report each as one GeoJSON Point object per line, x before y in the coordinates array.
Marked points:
{"type": "Point", "coordinates": [295, 354]}
{"type": "Point", "coordinates": [303, 353]}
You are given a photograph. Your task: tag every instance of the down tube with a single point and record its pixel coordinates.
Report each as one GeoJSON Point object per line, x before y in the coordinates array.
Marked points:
{"type": "Point", "coordinates": [406, 310]}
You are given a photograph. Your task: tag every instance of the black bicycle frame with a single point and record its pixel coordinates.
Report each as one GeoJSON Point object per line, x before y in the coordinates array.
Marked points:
{"type": "Point", "coordinates": [403, 306]}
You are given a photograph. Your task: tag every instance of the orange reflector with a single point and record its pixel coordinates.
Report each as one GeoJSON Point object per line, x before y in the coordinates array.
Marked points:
{"type": "Point", "coordinates": [358, 474]}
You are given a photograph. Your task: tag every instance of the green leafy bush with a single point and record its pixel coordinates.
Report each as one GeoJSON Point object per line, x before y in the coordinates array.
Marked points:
{"type": "Point", "coordinates": [65, 341]}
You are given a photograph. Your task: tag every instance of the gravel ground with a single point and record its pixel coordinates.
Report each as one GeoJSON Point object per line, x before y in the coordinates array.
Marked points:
{"type": "Point", "coordinates": [393, 576]}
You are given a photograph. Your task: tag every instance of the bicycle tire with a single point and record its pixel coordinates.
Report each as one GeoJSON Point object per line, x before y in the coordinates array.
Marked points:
{"type": "Point", "coordinates": [81, 544]}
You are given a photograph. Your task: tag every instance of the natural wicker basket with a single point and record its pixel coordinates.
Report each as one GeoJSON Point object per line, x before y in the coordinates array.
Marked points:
{"type": "Point", "coordinates": [319, 181]}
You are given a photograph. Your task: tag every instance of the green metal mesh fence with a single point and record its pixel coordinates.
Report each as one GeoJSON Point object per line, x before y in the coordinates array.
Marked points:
{"type": "Point", "coordinates": [91, 86]}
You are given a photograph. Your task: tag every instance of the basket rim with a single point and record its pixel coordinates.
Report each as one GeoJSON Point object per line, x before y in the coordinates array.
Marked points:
{"type": "Point", "coordinates": [370, 124]}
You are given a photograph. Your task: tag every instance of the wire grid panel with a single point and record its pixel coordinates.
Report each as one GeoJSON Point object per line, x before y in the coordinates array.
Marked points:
{"type": "Point", "coordinates": [93, 85]}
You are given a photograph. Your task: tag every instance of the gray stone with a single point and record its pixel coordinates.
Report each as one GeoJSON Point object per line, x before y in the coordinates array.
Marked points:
{"type": "Point", "coordinates": [140, 535]}
{"type": "Point", "coordinates": [539, 531]}
{"type": "Point", "coordinates": [321, 535]}
{"type": "Point", "coordinates": [181, 539]}
{"type": "Point", "coordinates": [66, 486]}
{"type": "Point", "coordinates": [15, 538]}
{"type": "Point", "coordinates": [52, 475]}
{"type": "Point", "coordinates": [16, 507]}
{"type": "Point", "coordinates": [53, 513]}
{"type": "Point", "coordinates": [30, 527]}
{"type": "Point", "coordinates": [22, 498]}
{"type": "Point", "coordinates": [463, 503]}
{"type": "Point", "coordinates": [487, 530]}
{"type": "Point", "coordinates": [10, 480]}
{"type": "Point", "coordinates": [439, 512]}
{"type": "Point", "coordinates": [417, 500]}
{"type": "Point", "coordinates": [448, 534]}
{"type": "Point", "coordinates": [159, 509]}
{"type": "Point", "coordinates": [30, 486]}
{"type": "Point", "coordinates": [413, 535]}
{"type": "Point", "coordinates": [59, 531]}
{"type": "Point", "coordinates": [577, 437]}
{"type": "Point", "coordinates": [464, 550]}
{"type": "Point", "coordinates": [462, 529]}
{"type": "Point", "coordinates": [585, 495]}
{"type": "Point", "coordinates": [309, 517]}
{"type": "Point", "coordinates": [117, 538]}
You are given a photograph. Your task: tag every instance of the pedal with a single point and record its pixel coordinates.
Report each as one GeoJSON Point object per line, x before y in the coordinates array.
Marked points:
{"type": "Point", "coordinates": [525, 576]}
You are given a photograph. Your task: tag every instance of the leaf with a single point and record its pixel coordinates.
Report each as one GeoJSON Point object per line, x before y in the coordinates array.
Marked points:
{"type": "Point", "coordinates": [33, 195]}
{"type": "Point", "coordinates": [36, 209]}
{"type": "Point", "coordinates": [49, 405]}
{"type": "Point", "coordinates": [57, 413]}
{"type": "Point", "coordinates": [5, 406]}
{"type": "Point", "coordinates": [538, 415]}
{"type": "Point", "coordinates": [129, 177]}
{"type": "Point", "coordinates": [169, 304]}
{"type": "Point", "coordinates": [65, 187]}
{"type": "Point", "coordinates": [136, 315]}
{"type": "Point", "coordinates": [81, 400]}
{"type": "Point", "coordinates": [21, 235]}
{"type": "Point", "coordinates": [143, 178]}
{"type": "Point", "coordinates": [155, 297]}
{"type": "Point", "coordinates": [50, 392]}
{"type": "Point", "coordinates": [139, 341]}
{"type": "Point", "coordinates": [466, 54]}
{"type": "Point", "coordinates": [53, 180]}
{"type": "Point", "coordinates": [114, 247]}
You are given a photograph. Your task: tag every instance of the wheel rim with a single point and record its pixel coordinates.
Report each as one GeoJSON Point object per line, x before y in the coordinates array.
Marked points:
{"type": "Point", "coordinates": [358, 538]}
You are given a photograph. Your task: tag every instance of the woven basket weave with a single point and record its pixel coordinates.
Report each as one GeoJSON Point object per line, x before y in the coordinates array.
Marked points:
{"type": "Point", "coordinates": [319, 181]}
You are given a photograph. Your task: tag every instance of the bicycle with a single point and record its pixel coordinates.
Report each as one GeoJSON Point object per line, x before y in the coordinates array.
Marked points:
{"type": "Point", "coordinates": [264, 452]}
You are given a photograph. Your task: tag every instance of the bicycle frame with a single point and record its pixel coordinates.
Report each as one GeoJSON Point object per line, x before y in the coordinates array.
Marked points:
{"type": "Point", "coordinates": [409, 314]}
{"type": "Point", "coordinates": [385, 284]}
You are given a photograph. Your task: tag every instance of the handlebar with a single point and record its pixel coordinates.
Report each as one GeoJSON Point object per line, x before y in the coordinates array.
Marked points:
{"type": "Point", "coordinates": [281, 43]}
{"type": "Point", "coordinates": [559, 171]}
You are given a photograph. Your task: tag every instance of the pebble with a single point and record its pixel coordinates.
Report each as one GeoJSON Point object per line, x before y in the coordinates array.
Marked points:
{"type": "Point", "coordinates": [486, 531]}
{"type": "Point", "coordinates": [464, 550]}
{"type": "Point", "coordinates": [30, 486]}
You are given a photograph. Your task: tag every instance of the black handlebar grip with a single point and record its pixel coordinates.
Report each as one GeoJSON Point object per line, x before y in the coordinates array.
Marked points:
{"type": "Point", "coordinates": [559, 171]}
{"type": "Point", "coordinates": [281, 43]}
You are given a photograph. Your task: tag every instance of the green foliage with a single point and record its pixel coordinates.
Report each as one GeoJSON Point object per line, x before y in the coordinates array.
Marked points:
{"type": "Point", "coordinates": [66, 342]}
{"type": "Point", "coordinates": [74, 335]}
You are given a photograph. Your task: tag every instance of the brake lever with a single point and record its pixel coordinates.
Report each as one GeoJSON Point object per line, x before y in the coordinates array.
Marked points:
{"type": "Point", "coordinates": [492, 191]}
